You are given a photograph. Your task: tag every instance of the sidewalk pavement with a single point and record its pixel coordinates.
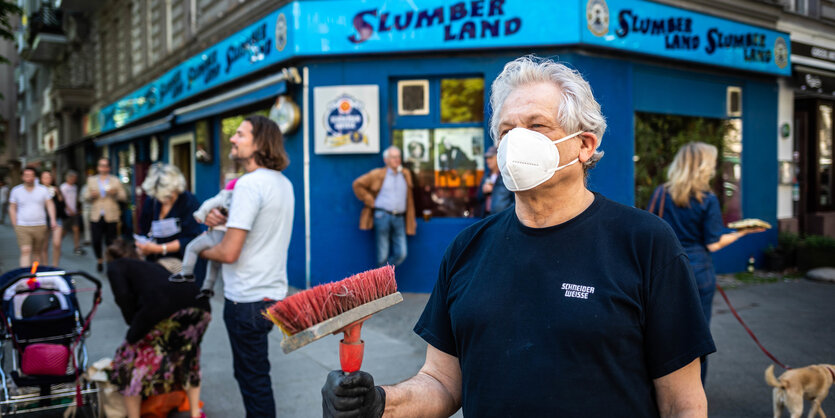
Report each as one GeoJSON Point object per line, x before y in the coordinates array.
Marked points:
{"type": "Point", "coordinates": [793, 319]}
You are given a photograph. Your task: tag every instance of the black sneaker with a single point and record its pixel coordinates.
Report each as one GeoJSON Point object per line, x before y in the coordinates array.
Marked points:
{"type": "Point", "coordinates": [99, 267]}
{"type": "Point", "coordinates": [205, 294]}
{"type": "Point", "coordinates": [79, 251]}
{"type": "Point", "coordinates": [180, 278]}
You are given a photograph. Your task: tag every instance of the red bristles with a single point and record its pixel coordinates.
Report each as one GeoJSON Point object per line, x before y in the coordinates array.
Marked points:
{"type": "Point", "coordinates": [310, 307]}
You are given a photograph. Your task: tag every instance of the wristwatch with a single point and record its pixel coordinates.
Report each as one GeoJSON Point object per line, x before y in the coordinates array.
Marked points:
{"type": "Point", "coordinates": [164, 249]}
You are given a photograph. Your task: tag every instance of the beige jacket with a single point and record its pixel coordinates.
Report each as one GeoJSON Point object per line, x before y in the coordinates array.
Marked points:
{"type": "Point", "coordinates": [108, 204]}
{"type": "Point", "coordinates": [367, 186]}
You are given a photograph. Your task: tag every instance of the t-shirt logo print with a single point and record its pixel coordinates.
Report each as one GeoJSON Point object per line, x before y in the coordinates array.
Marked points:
{"type": "Point", "coordinates": [577, 291]}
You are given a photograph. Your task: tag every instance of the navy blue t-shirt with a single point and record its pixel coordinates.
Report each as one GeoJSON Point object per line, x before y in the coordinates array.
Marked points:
{"type": "Point", "coordinates": [574, 319]}
{"type": "Point", "coordinates": [697, 224]}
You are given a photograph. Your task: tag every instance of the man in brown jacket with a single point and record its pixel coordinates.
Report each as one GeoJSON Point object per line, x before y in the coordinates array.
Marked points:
{"type": "Point", "coordinates": [389, 207]}
{"type": "Point", "coordinates": [105, 192]}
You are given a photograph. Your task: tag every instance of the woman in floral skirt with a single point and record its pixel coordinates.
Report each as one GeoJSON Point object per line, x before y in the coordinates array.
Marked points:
{"type": "Point", "coordinates": [161, 352]}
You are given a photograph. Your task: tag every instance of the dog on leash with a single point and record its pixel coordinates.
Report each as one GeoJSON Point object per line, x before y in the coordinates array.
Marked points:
{"type": "Point", "coordinates": [811, 382]}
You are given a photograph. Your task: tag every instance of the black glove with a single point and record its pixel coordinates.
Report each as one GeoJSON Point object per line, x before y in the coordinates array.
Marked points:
{"type": "Point", "coordinates": [352, 395]}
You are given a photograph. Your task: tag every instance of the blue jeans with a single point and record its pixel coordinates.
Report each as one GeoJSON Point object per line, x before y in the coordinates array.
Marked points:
{"type": "Point", "coordinates": [248, 331]}
{"type": "Point", "coordinates": [705, 275]}
{"type": "Point", "coordinates": [390, 232]}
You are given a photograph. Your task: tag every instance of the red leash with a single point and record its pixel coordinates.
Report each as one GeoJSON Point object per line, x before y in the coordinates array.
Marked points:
{"type": "Point", "coordinates": [751, 333]}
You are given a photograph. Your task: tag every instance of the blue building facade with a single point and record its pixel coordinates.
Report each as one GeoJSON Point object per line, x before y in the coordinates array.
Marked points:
{"type": "Point", "coordinates": [368, 74]}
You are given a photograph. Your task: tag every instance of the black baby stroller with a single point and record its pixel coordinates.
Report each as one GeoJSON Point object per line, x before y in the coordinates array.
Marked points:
{"type": "Point", "coordinates": [42, 350]}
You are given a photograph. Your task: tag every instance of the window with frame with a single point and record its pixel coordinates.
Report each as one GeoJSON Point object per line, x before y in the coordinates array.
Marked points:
{"type": "Point", "coordinates": [658, 138]}
{"type": "Point", "coordinates": [443, 146]}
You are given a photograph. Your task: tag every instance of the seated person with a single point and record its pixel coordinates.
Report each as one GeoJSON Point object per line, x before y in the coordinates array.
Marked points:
{"type": "Point", "coordinates": [205, 241]}
{"type": "Point", "coordinates": [161, 352]}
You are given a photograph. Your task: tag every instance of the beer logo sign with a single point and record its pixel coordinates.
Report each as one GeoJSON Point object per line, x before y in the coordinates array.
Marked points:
{"type": "Point", "coordinates": [597, 17]}
{"type": "Point", "coordinates": [781, 52]}
{"type": "Point", "coordinates": [345, 121]}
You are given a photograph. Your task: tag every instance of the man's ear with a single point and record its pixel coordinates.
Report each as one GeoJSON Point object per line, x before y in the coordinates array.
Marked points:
{"type": "Point", "coordinates": [588, 144]}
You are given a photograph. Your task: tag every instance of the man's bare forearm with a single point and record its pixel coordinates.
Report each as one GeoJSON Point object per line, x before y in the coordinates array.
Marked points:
{"type": "Point", "coordinates": [420, 396]}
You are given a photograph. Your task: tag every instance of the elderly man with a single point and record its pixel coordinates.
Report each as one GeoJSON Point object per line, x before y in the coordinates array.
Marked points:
{"type": "Point", "coordinates": [570, 304]}
{"type": "Point", "coordinates": [389, 207]}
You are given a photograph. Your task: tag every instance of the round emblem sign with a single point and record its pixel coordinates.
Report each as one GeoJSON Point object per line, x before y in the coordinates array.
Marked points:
{"type": "Point", "coordinates": [281, 32]}
{"type": "Point", "coordinates": [781, 52]}
{"type": "Point", "coordinates": [597, 17]}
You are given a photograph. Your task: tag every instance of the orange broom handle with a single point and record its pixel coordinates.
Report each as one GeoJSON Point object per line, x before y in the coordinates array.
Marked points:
{"type": "Point", "coordinates": [351, 347]}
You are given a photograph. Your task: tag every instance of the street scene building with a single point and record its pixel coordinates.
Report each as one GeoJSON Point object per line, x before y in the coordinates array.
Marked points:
{"type": "Point", "coordinates": [138, 82]}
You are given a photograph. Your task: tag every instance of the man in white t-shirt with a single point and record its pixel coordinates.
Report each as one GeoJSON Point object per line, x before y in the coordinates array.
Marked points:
{"type": "Point", "coordinates": [29, 205]}
{"type": "Point", "coordinates": [73, 220]}
{"type": "Point", "coordinates": [254, 253]}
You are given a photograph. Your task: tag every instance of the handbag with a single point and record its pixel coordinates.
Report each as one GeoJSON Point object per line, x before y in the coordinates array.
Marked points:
{"type": "Point", "coordinates": [663, 193]}
{"type": "Point", "coordinates": [45, 359]}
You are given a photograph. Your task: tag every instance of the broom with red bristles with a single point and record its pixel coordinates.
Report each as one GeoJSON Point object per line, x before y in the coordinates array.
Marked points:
{"type": "Point", "coordinates": [335, 307]}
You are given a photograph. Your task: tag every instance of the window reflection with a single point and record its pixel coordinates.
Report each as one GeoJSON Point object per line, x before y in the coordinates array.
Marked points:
{"type": "Point", "coordinates": [825, 154]}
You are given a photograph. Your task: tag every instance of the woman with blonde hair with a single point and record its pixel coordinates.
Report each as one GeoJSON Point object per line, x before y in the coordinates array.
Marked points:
{"type": "Point", "coordinates": [687, 203]}
{"type": "Point", "coordinates": [166, 219]}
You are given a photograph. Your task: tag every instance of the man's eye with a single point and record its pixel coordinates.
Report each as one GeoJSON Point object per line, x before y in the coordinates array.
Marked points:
{"type": "Point", "coordinates": [503, 133]}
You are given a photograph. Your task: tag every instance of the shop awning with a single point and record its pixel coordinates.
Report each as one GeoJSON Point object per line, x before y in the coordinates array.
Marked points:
{"type": "Point", "coordinates": [145, 129]}
{"type": "Point", "coordinates": [265, 89]}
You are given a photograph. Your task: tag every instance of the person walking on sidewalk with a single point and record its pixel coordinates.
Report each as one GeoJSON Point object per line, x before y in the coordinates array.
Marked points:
{"type": "Point", "coordinates": [389, 207]}
{"type": "Point", "coordinates": [693, 212]}
{"type": "Point", "coordinates": [30, 206]}
{"type": "Point", "coordinates": [56, 231]}
{"type": "Point", "coordinates": [254, 255]}
{"type": "Point", "coordinates": [72, 221]}
{"type": "Point", "coordinates": [4, 201]}
{"type": "Point", "coordinates": [569, 305]}
{"type": "Point", "coordinates": [104, 192]}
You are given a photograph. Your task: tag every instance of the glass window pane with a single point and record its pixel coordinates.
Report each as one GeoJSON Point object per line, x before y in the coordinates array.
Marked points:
{"type": "Point", "coordinates": [447, 166]}
{"type": "Point", "coordinates": [657, 139]}
{"type": "Point", "coordinates": [824, 150]}
{"type": "Point", "coordinates": [462, 100]}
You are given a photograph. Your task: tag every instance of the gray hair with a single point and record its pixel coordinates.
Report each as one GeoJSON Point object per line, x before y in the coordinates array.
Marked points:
{"type": "Point", "coordinates": [163, 181]}
{"type": "Point", "coordinates": [388, 151]}
{"type": "Point", "coordinates": [578, 110]}
{"type": "Point", "coordinates": [70, 173]}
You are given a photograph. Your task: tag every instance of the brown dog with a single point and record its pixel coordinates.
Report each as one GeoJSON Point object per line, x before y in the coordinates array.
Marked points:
{"type": "Point", "coordinates": [811, 382]}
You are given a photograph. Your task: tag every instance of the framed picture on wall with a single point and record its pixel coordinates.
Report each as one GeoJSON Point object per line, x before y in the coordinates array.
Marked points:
{"type": "Point", "coordinates": [347, 119]}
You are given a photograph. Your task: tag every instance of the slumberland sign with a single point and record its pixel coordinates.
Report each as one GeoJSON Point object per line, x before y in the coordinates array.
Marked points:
{"type": "Point", "coordinates": [344, 27]}
{"type": "Point", "coordinates": [656, 29]}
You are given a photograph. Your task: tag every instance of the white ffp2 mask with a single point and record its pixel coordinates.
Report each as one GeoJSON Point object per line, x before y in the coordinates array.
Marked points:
{"type": "Point", "coordinates": [528, 158]}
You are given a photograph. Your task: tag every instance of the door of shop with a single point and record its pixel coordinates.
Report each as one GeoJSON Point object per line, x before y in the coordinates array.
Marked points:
{"type": "Point", "coordinates": [814, 143]}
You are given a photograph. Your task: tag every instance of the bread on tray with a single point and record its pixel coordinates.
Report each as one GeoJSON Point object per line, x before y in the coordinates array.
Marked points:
{"type": "Point", "coordinates": [749, 223]}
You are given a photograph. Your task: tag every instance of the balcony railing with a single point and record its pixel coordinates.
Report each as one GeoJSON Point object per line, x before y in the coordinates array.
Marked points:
{"type": "Point", "coordinates": [45, 36]}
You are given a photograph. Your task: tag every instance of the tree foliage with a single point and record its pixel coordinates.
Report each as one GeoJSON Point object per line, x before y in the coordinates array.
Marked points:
{"type": "Point", "coordinates": [657, 139]}
{"type": "Point", "coordinates": [8, 12]}
{"type": "Point", "coordinates": [462, 100]}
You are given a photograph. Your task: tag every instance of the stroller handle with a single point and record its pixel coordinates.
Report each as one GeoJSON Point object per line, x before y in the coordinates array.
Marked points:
{"type": "Point", "coordinates": [84, 274]}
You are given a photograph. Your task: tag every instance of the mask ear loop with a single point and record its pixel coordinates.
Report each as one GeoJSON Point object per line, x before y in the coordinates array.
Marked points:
{"type": "Point", "coordinates": [563, 139]}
